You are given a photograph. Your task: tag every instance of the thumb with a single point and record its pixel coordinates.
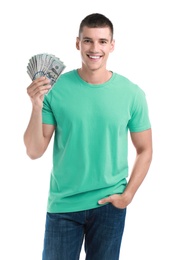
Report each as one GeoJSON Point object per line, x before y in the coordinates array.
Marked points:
{"type": "Point", "coordinates": [105, 200]}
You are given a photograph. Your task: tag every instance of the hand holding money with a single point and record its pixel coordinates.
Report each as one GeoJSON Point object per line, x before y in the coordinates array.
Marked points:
{"type": "Point", "coordinates": [37, 89]}
{"type": "Point", "coordinates": [47, 65]}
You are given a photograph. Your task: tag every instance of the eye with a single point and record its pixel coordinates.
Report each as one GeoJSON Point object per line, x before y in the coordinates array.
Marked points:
{"type": "Point", "coordinates": [87, 40]}
{"type": "Point", "coordinates": [103, 42]}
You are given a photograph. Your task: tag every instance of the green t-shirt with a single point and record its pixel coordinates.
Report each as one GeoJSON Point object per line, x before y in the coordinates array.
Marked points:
{"type": "Point", "coordinates": [91, 138]}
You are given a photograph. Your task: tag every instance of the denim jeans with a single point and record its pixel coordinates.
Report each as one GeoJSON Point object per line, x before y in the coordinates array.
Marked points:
{"type": "Point", "coordinates": [102, 228]}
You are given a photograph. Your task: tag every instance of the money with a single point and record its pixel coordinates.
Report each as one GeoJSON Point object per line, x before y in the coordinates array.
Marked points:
{"type": "Point", "coordinates": [45, 64]}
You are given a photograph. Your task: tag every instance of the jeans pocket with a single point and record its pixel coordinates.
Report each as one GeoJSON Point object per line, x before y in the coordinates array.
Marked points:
{"type": "Point", "coordinates": [119, 209]}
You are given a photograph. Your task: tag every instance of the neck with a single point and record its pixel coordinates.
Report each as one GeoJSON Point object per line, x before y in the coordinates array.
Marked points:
{"type": "Point", "coordinates": [95, 77]}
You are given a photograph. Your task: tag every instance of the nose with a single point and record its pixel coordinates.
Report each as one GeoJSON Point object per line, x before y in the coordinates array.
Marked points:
{"type": "Point", "coordinates": [94, 47]}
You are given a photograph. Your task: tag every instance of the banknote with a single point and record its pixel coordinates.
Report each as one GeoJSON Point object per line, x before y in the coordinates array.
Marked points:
{"type": "Point", "coordinates": [45, 64]}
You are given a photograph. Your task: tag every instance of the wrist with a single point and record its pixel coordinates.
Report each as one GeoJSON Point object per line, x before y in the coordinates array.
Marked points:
{"type": "Point", "coordinates": [36, 112]}
{"type": "Point", "coordinates": [37, 108]}
{"type": "Point", "coordinates": [127, 196]}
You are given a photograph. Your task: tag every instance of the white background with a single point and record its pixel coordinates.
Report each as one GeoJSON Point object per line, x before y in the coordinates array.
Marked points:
{"type": "Point", "coordinates": [145, 52]}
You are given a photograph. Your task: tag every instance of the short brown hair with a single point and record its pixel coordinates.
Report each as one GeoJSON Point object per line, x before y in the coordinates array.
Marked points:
{"type": "Point", "coordinates": [96, 20]}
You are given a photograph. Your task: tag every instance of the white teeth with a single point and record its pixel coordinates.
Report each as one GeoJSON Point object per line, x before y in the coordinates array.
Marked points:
{"type": "Point", "coordinates": [94, 57]}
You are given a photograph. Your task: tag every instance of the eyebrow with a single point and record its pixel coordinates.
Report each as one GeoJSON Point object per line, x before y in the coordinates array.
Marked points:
{"type": "Point", "coordinates": [101, 39]}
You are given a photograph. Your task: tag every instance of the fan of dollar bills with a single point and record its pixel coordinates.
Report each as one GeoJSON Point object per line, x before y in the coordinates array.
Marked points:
{"type": "Point", "coordinates": [45, 65]}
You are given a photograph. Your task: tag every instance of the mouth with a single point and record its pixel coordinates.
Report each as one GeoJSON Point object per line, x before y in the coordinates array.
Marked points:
{"type": "Point", "coordinates": [94, 57]}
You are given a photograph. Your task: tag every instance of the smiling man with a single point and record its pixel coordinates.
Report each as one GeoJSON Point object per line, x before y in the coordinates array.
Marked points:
{"type": "Point", "coordinates": [90, 111]}
{"type": "Point", "coordinates": [95, 44]}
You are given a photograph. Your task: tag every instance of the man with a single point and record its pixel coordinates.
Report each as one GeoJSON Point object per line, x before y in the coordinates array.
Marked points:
{"type": "Point", "coordinates": [90, 111]}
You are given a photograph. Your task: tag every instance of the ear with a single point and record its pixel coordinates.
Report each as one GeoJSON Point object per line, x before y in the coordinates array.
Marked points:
{"type": "Point", "coordinates": [77, 43]}
{"type": "Point", "coordinates": [112, 46]}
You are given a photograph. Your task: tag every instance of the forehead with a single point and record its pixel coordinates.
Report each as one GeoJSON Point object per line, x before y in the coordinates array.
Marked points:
{"type": "Point", "coordinates": [96, 33]}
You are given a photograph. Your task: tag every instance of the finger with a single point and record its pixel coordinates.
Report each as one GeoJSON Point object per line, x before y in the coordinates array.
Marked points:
{"type": "Point", "coordinates": [105, 200]}
{"type": "Point", "coordinates": [38, 87]}
{"type": "Point", "coordinates": [40, 92]}
{"type": "Point", "coordinates": [37, 80]}
{"type": "Point", "coordinates": [38, 83]}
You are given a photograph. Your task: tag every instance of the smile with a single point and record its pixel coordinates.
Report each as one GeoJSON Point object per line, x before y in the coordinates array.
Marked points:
{"type": "Point", "coordinates": [94, 57]}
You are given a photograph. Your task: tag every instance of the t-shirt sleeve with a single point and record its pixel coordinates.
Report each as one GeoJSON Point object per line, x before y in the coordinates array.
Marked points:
{"type": "Point", "coordinates": [139, 120]}
{"type": "Point", "coordinates": [47, 113]}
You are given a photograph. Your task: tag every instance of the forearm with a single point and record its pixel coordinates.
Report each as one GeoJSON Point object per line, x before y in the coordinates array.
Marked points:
{"type": "Point", "coordinates": [33, 136]}
{"type": "Point", "coordinates": [143, 143]}
{"type": "Point", "coordinates": [138, 174]}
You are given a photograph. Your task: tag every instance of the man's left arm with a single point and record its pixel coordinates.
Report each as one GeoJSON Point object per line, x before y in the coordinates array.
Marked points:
{"type": "Point", "coordinates": [142, 142]}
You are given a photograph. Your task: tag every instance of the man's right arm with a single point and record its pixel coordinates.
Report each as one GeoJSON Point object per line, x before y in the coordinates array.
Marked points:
{"type": "Point", "coordinates": [37, 135]}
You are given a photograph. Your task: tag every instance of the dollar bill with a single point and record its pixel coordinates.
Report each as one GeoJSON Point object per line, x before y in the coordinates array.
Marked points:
{"type": "Point", "coordinates": [45, 64]}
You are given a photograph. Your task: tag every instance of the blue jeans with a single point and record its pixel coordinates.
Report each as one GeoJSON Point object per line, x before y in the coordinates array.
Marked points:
{"type": "Point", "coordinates": [102, 228]}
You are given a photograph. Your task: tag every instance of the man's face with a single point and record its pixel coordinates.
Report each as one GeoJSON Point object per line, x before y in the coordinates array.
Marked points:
{"type": "Point", "coordinates": [95, 44]}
